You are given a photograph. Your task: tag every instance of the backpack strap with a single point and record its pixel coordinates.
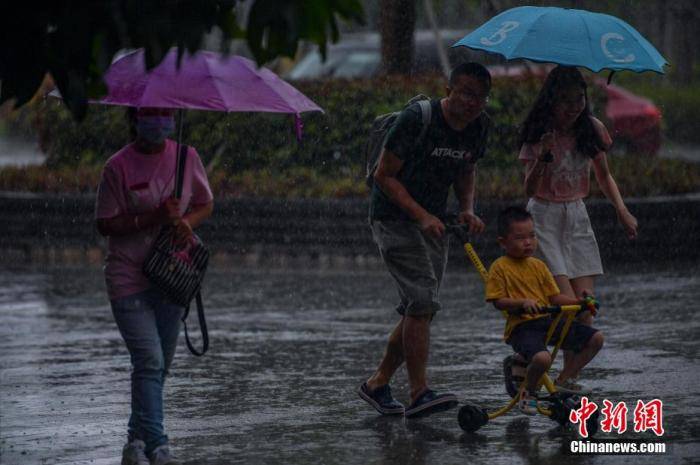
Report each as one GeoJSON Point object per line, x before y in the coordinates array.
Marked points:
{"type": "Point", "coordinates": [383, 124]}
{"type": "Point", "coordinates": [426, 110]}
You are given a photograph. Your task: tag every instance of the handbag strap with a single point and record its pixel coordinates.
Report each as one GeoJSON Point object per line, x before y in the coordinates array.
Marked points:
{"type": "Point", "coordinates": [202, 327]}
{"type": "Point", "coordinates": [180, 169]}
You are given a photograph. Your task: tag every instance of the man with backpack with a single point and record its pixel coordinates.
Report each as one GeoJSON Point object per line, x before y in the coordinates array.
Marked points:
{"type": "Point", "coordinates": [430, 146]}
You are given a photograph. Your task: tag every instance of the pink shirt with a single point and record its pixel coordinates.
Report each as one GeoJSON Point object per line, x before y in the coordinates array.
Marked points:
{"type": "Point", "coordinates": [567, 178]}
{"type": "Point", "coordinates": [133, 182]}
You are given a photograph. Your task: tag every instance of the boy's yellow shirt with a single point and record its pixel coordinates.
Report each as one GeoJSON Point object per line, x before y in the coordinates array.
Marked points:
{"type": "Point", "coordinates": [520, 278]}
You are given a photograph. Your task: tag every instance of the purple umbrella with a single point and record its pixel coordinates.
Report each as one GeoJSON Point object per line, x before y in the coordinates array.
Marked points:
{"type": "Point", "coordinates": [203, 81]}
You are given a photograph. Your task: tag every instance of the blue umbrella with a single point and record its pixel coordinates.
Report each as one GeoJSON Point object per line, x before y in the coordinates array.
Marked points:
{"type": "Point", "coordinates": [567, 37]}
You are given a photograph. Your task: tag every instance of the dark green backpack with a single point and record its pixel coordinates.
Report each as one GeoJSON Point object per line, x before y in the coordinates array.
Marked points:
{"type": "Point", "coordinates": [380, 129]}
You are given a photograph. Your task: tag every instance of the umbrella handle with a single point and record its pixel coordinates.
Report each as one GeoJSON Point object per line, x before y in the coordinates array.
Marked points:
{"type": "Point", "coordinates": [298, 127]}
{"type": "Point", "coordinates": [610, 76]}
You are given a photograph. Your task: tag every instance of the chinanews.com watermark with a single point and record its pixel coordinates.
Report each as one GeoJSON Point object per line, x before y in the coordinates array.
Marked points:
{"type": "Point", "coordinates": [614, 448]}
{"type": "Point", "coordinates": [613, 417]}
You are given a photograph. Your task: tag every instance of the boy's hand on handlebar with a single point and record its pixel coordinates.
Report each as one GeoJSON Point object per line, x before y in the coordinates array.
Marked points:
{"type": "Point", "coordinates": [476, 226]}
{"type": "Point", "coordinates": [530, 306]}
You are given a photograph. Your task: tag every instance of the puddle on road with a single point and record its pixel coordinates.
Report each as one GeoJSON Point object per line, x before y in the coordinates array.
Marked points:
{"type": "Point", "coordinates": [288, 350]}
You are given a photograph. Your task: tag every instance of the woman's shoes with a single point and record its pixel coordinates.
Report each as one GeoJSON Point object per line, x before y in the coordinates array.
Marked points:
{"type": "Point", "coordinates": [570, 387]}
{"type": "Point", "coordinates": [134, 453]}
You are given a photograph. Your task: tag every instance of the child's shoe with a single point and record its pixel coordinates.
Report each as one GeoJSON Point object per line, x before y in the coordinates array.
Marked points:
{"type": "Point", "coordinates": [527, 403]}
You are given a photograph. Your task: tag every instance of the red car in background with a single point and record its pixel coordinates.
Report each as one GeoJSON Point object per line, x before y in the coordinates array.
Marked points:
{"type": "Point", "coordinates": [635, 120]}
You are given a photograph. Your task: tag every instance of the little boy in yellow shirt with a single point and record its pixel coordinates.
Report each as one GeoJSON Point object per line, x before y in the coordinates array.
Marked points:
{"type": "Point", "coordinates": [519, 285]}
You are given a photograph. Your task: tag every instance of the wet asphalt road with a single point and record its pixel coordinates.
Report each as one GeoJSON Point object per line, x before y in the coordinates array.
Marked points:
{"type": "Point", "coordinates": [290, 347]}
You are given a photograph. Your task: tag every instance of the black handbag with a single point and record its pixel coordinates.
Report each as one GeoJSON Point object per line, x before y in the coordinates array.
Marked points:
{"type": "Point", "coordinates": [178, 270]}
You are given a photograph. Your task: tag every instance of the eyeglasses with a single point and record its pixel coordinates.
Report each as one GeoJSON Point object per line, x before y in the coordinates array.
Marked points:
{"type": "Point", "coordinates": [473, 97]}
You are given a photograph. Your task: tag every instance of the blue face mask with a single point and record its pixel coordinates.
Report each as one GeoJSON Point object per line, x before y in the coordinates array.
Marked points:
{"type": "Point", "coordinates": [155, 129]}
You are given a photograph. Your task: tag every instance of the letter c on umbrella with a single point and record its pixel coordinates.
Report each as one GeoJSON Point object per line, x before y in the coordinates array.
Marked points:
{"type": "Point", "coordinates": [501, 34]}
{"type": "Point", "coordinates": [605, 38]}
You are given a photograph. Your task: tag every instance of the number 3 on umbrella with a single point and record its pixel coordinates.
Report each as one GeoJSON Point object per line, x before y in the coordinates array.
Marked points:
{"type": "Point", "coordinates": [501, 34]}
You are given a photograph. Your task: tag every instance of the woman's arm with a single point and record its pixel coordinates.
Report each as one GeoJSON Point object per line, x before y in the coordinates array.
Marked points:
{"type": "Point", "coordinates": [199, 213]}
{"type": "Point", "coordinates": [563, 299]}
{"type": "Point", "coordinates": [612, 193]}
{"type": "Point", "coordinates": [534, 169]}
{"type": "Point", "coordinates": [126, 224]}
{"type": "Point", "coordinates": [192, 220]}
{"type": "Point", "coordinates": [534, 172]}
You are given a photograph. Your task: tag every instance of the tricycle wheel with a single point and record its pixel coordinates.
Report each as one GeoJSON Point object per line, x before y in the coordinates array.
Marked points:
{"type": "Point", "coordinates": [562, 407]}
{"type": "Point", "coordinates": [471, 418]}
{"type": "Point", "coordinates": [592, 424]}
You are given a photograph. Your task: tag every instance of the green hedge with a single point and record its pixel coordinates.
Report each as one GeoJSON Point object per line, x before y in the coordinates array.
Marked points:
{"type": "Point", "coordinates": [257, 154]}
{"type": "Point", "coordinates": [333, 142]}
{"type": "Point", "coordinates": [637, 176]}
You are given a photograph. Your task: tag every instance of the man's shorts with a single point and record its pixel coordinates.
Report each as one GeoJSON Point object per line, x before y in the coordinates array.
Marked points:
{"type": "Point", "coordinates": [567, 243]}
{"type": "Point", "coordinates": [528, 338]}
{"type": "Point", "coordinates": [415, 260]}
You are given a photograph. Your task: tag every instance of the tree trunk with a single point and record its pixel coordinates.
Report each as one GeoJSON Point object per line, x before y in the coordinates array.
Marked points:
{"type": "Point", "coordinates": [397, 20]}
{"type": "Point", "coordinates": [659, 36]}
{"type": "Point", "coordinates": [681, 23]}
{"type": "Point", "coordinates": [490, 8]}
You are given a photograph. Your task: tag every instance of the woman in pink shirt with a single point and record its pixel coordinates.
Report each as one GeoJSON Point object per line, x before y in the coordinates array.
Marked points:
{"type": "Point", "coordinates": [560, 140]}
{"type": "Point", "coordinates": [134, 200]}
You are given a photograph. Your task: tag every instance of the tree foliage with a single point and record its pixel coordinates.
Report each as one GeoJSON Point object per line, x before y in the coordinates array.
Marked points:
{"type": "Point", "coordinates": [76, 40]}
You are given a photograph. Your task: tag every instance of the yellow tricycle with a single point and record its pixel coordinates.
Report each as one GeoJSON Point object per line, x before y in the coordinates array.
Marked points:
{"type": "Point", "coordinates": [555, 404]}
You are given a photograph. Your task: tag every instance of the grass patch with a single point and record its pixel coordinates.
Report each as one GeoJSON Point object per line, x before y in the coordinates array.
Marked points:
{"type": "Point", "coordinates": [637, 176]}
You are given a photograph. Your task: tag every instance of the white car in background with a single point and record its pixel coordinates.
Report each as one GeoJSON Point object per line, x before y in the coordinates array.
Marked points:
{"type": "Point", "coordinates": [359, 55]}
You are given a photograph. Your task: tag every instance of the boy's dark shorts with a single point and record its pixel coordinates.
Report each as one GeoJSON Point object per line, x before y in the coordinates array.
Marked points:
{"type": "Point", "coordinates": [528, 338]}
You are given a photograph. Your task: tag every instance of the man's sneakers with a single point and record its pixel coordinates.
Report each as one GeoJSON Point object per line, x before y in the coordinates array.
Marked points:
{"type": "Point", "coordinates": [527, 403]}
{"type": "Point", "coordinates": [570, 387]}
{"type": "Point", "coordinates": [381, 399]}
{"type": "Point", "coordinates": [427, 403]}
{"type": "Point", "coordinates": [430, 402]}
{"type": "Point", "coordinates": [161, 456]}
{"type": "Point", "coordinates": [134, 453]}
